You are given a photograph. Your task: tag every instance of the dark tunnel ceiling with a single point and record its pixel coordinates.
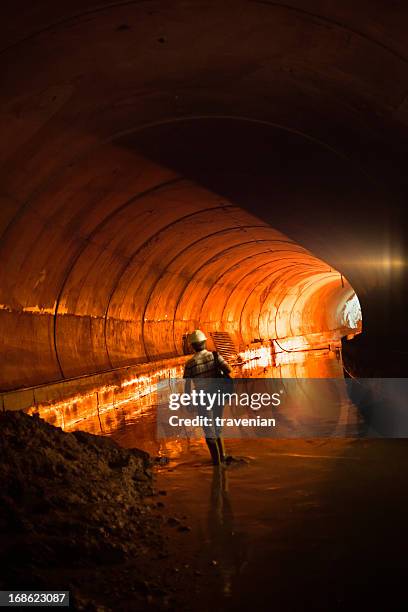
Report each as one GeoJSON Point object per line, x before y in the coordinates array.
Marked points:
{"type": "Point", "coordinates": [294, 113]}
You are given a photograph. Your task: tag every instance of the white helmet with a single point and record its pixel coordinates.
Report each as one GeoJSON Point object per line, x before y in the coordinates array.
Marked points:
{"type": "Point", "coordinates": [197, 336]}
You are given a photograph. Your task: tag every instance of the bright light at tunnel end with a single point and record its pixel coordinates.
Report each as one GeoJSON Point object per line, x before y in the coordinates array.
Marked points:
{"type": "Point", "coordinates": [351, 314]}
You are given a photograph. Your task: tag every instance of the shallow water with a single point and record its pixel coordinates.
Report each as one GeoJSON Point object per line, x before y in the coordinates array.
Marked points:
{"type": "Point", "coordinates": [134, 424]}
{"type": "Point", "coordinates": [251, 517]}
{"type": "Point", "coordinates": [295, 525]}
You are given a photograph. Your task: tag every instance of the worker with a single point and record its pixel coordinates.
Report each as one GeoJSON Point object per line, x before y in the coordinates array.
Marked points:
{"type": "Point", "coordinates": [207, 365]}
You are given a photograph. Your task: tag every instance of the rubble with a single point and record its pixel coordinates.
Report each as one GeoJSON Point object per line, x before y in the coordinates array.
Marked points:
{"type": "Point", "coordinates": [79, 513]}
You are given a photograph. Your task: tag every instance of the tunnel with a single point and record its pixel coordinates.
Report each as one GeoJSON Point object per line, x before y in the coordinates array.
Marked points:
{"type": "Point", "coordinates": [231, 166]}
{"type": "Point", "coordinates": [150, 194]}
{"type": "Point", "coordinates": [118, 277]}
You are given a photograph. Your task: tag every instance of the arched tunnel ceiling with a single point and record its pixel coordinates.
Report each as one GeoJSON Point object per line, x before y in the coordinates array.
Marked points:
{"type": "Point", "coordinates": [154, 152]}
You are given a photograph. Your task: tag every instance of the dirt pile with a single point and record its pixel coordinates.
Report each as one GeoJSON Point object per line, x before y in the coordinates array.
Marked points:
{"type": "Point", "coordinates": [78, 512]}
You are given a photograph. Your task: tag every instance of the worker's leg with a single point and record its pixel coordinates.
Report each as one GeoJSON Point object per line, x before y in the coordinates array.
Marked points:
{"type": "Point", "coordinates": [221, 448]}
{"type": "Point", "coordinates": [219, 410]}
{"type": "Point", "coordinates": [210, 436]}
{"type": "Point", "coordinates": [214, 450]}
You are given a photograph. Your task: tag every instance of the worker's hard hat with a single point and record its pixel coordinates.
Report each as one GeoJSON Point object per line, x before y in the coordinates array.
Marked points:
{"type": "Point", "coordinates": [197, 336]}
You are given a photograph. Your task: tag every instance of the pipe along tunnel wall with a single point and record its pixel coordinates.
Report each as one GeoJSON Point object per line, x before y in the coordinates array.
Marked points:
{"type": "Point", "coordinates": [110, 268]}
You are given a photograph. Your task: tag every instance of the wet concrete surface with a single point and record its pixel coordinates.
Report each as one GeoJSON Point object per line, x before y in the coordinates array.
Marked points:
{"type": "Point", "coordinates": [296, 525]}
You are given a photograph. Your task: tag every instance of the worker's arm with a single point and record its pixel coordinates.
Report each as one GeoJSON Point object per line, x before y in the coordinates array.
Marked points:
{"type": "Point", "coordinates": [224, 365]}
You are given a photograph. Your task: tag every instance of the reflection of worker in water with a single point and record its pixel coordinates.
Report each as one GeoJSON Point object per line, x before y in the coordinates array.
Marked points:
{"type": "Point", "coordinates": [207, 365]}
{"type": "Point", "coordinates": [227, 546]}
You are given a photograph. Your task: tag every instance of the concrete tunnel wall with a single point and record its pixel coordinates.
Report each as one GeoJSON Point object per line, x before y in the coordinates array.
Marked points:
{"type": "Point", "coordinates": [107, 257]}
{"type": "Point", "coordinates": [110, 276]}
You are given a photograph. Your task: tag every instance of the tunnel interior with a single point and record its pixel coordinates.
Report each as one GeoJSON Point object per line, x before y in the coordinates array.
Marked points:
{"type": "Point", "coordinates": [251, 187]}
{"type": "Point", "coordinates": [236, 166]}
{"type": "Point", "coordinates": [122, 257]}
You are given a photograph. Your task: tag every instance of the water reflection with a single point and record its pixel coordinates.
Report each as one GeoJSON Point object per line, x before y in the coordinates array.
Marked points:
{"type": "Point", "coordinates": [133, 424]}
{"type": "Point", "coordinates": [227, 545]}
{"type": "Point", "coordinates": [251, 520]}
{"type": "Point", "coordinates": [281, 528]}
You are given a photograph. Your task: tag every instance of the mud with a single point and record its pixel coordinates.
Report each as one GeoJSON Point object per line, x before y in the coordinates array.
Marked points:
{"type": "Point", "coordinates": [79, 513]}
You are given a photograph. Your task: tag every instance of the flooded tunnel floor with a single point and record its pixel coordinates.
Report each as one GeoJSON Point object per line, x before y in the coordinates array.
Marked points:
{"type": "Point", "coordinates": [301, 524]}
{"type": "Point", "coordinates": [305, 524]}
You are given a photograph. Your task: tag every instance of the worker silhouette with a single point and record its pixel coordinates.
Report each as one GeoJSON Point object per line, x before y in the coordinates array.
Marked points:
{"type": "Point", "coordinates": [204, 367]}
